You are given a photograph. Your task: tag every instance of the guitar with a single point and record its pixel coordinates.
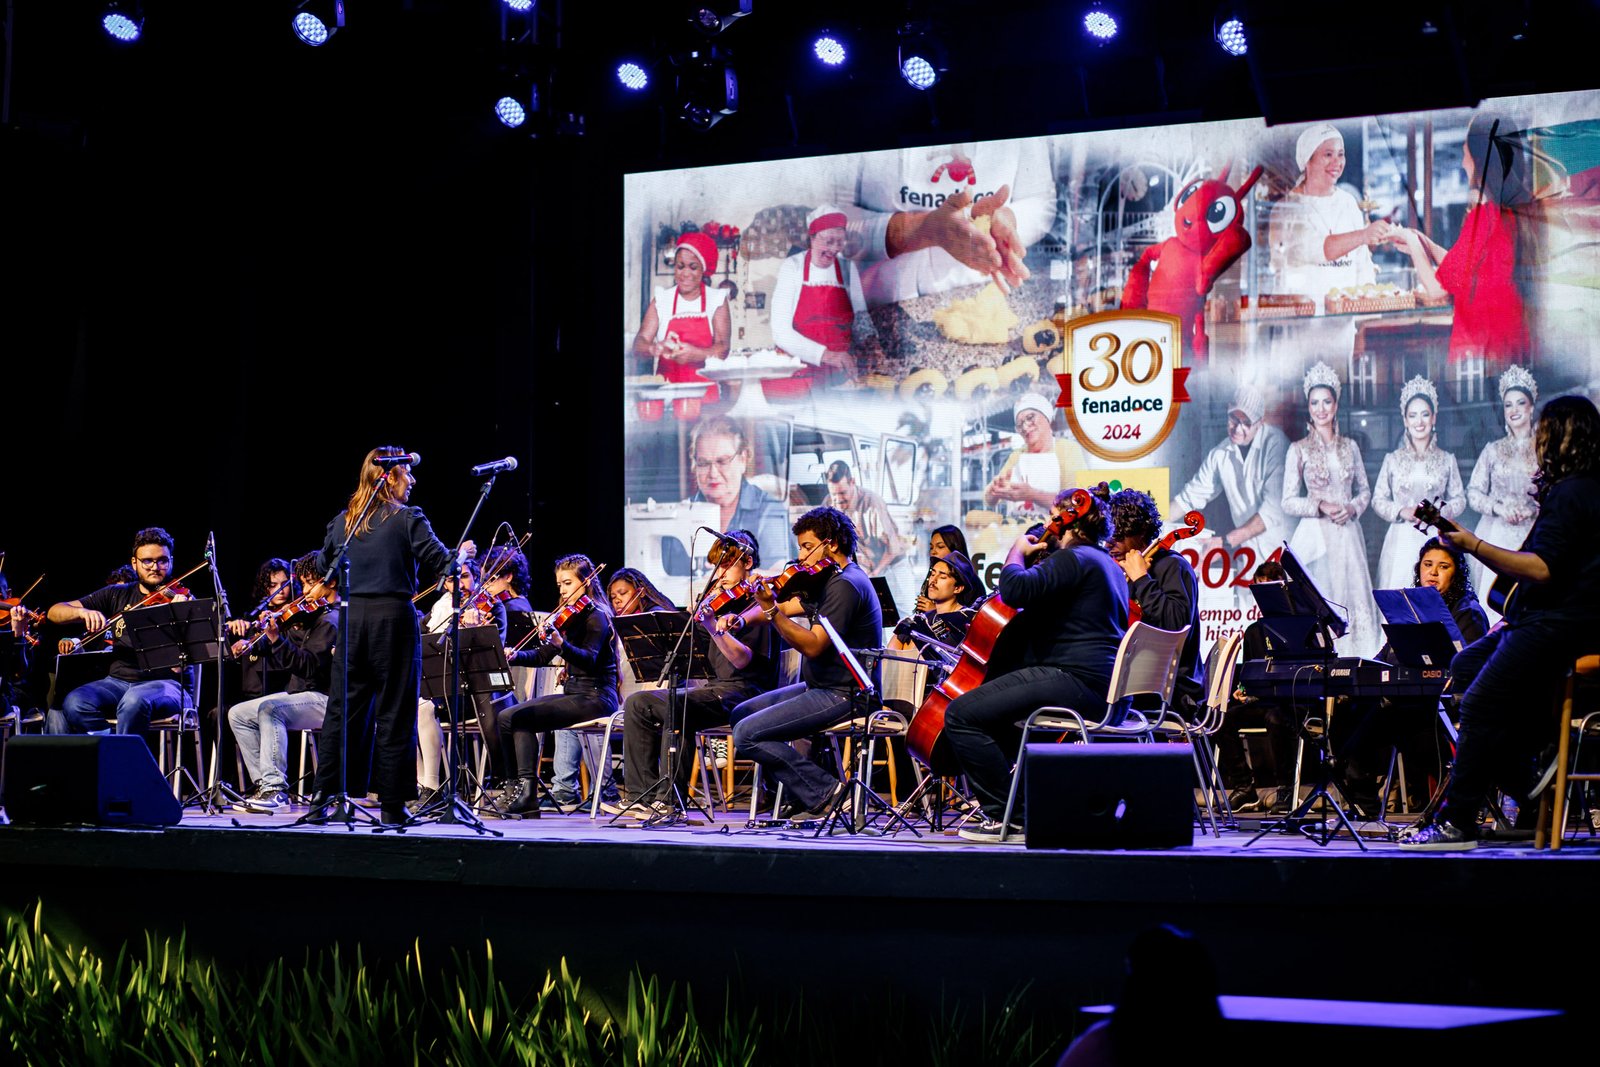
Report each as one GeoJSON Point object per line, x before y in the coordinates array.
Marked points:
{"type": "Point", "coordinates": [925, 734]}
{"type": "Point", "coordinates": [1503, 592]}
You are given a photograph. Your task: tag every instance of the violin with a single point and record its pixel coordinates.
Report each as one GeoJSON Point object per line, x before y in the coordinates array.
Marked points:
{"type": "Point", "coordinates": [171, 592]}
{"type": "Point", "coordinates": [725, 598]}
{"type": "Point", "coordinates": [796, 573]}
{"type": "Point", "coordinates": [559, 618]}
{"type": "Point", "coordinates": [306, 606]}
{"type": "Point", "coordinates": [30, 618]}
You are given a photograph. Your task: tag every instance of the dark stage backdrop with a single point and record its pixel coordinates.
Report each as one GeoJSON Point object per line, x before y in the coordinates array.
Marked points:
{"type": "Point", "coordinates": [233, 264]}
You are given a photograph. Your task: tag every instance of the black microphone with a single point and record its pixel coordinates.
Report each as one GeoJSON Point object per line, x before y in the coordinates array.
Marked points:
{"type": "Point", "coordinates": [720, 536]}
{"type": "Point", "coordinates": [394, 461]}
{"type": "Point", "coordinates": [498, 466]}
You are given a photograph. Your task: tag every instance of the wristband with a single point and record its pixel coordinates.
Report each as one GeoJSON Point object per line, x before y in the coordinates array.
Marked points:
{"type": "Point", "coordinates": [771, 613]}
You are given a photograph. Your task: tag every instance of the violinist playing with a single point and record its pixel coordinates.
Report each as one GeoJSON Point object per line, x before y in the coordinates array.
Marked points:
{"type": "Point", "coordinates": [951, 590]}
{"type": "Point", "coordinates": [478, 608]}
{"type": "Point", "coordinates": [128, 698]}
{"type": "Point", "coordinates": [1163, 585]}
{"type": "Point", "coordinates": [742, 666]}
{"type": "Point", "coordinates": [1076, 608]}
{"type": "Point", "coordinates": [763, 725]}
{"type": "Point", "coordinates": [297, 636]}
{"type": "Point", "coordinates": [273, 591]}
{"type": "Point", "coordinates": [580, 632]}
{"type": "Point", "coordinates": [16, 645]}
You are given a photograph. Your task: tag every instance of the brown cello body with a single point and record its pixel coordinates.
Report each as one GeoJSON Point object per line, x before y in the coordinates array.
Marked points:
{"type": "Point", "coordinates": [925, 735]}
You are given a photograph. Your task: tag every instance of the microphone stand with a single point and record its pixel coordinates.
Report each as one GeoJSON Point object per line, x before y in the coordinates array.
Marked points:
{"type": "Point", "coordinates": [446, 807]}
{"type": "Point", "coordinates": [218, 794]}
{"type": "Point", "coordinates": [677, 690]}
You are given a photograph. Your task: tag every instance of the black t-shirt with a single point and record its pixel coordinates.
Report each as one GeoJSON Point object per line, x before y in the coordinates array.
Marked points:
{"type": "Point", "coordinates": [388, 559]}
{"type": "Point", "coordinates": [1169, 598]}
{"type": "Point", "coordinates": [114, 600]}
{"type": "Point", "coordinates": [1562, 536]}
{"type": "Point", "coordinates": [760, 674]}
{"type": "Point", "coordinates": [1077, 605]}
{"type": "Point", "coordinates": [849, 602]}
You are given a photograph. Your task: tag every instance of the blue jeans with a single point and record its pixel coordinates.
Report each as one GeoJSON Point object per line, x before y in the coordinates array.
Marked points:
{"type": "Point", "coordinates": [131, 704]}
{"type": "Point", "coordinates": [261, 726]}
{"type": "Point", "coordinates": [569, 753]}
{"type": "Point", "coordinates": [762, 725]}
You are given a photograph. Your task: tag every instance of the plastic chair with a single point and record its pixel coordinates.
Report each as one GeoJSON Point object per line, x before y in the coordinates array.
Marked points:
{"type": "Point", "coordinates": [1146, 663]}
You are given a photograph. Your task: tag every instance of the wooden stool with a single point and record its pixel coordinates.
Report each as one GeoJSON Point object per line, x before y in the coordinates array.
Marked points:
{"type": "Point", "coordinates": [1553, 801]}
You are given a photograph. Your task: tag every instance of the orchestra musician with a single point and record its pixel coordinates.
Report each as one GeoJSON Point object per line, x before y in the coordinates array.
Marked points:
{"type": "Point", "coordinates": [303, 645]}
{"type": "Point", "coordinates": [392, 547]}
{"type": "Point", "coordinates": [129, 697]}
{"type": "Point", "coordinates": [1164, 586]}
{"type": "Point", "coordinates": [943, 541]}
{"type": "Point", "coordinates": [1076, 609]}
{"type": "Point", "coordinates": [744, 664]}
{"type": "Point", "coordinates": [951, 590]}
{"type": "Point", "coordinates": [1364, 735]}
{"type": "Point", "coordinates": [763, 725]}
{"type": "Point", "coordinates": [430, 738]}
{"type": "Point", "coordinates": [275, 589]}
{"type": "Point", "coordinates": [586, 640]}
{"type": "Point", "coordinates": [630, 592]}
{"type": "Point", "coordinates": [1509, 678]}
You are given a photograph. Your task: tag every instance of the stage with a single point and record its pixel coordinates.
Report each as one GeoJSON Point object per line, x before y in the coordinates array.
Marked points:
{"type": "Point", "coordinates": [930, 917]}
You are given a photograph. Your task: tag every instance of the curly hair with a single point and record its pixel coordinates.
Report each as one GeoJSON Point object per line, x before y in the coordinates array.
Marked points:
{"type": "Point", "coordinates": [264, 575]}
{"type": "Point", "coordinates": [1460, 587]}
{"type": "Point", "coordinates": [829, 524]}
{"type": "Point", "coordinates": [1567, 442]}
{"type": "Point", "coordinates": [1135, 516]}
{"type": "Point", "coordinates": [308, 568]}
{"type": "Point", "coordinates": [1097, 525]}
{"type": "Point", "coordinates": [653, 598]}
{"type": "Point", "coordinates": [152, 535]}
{"type": "Point", "coordinates": [506, 561]}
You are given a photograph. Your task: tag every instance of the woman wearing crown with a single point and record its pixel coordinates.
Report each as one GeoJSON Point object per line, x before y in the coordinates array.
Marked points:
{"type": "Point", "coordinates": [1325, 484]}
{"type": "Point", "coordinates": [1501, 489]}
{"type": "Point", "coordinates": [1418, 470]}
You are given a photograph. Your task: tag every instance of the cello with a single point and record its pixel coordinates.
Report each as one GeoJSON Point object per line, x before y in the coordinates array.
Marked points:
{"type": "Point", "coordinates": [925, 734]}
{"type": "Point", "coordinates": [1193, 523]}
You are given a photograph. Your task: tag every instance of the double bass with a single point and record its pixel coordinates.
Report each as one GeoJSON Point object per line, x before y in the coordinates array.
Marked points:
{"type": "Point", "coordinates": [925, 735]}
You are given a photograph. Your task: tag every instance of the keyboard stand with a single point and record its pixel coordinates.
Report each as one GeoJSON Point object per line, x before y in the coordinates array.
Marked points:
{"type": "Point", "coordinates": [1301, 815]}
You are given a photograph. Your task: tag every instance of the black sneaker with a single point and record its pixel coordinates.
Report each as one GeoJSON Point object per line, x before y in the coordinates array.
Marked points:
{"type": "Point", "coordinates": [823, 809]}
{"type": "Point", "coordinates": [267, 801]}
{"type": "Point", "coordinates": [987, 830]}
{"type": "Point", "coordinates": [1243, 800]}
{"type": "Point", "coordinates": [564, 807]}
{"type": "Point", "coordinates": [1438, 836]}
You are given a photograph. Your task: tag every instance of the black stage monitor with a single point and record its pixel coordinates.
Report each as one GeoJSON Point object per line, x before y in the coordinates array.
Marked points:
{"type": "Point", "coordinates": [1110, 795]}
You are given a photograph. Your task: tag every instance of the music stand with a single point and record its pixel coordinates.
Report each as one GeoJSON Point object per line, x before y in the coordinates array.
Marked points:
{"type": "Point", "coordinates": [176, 635]}
{"type": "Point", "coordinates": [857, 795]}
{"type": "Point", "coordinates": [886, 604]}
{"type": "Point", "coordinates": [484, 672]}
{"type": "Point", "coordinates": [652, 640]}
{"type": "Point", "coordinates": [1296, 612]}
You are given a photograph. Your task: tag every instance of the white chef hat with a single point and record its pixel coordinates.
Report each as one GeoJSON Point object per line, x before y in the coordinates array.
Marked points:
{"type": "Point", "coordinates": [1033, 402]}
{"type": "Point", "coordinates": [1311, 137]}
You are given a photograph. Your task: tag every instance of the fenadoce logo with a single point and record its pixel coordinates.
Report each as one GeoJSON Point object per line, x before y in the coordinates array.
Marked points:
{"type": "Point", "coordinates": [1124, 381]}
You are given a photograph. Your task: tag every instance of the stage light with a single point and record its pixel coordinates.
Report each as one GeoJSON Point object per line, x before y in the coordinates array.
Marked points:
{"type": "Point", "coordinates": [123, 21]}
{"type": "Point", "coordinates": [1230, 35]}
{"type": "Point", "coordinates": [315, 21]}
{"type": "Point", "coordinates": [510, 112]}
{"type": "Point", "coordinates": [707, 86]}
{"type": "Point", "coordinates": [520, 6]}
{"type": "Point", "coordinates": [711, 18]}
{"type": "Point", "coordinates": [1099, 23]}
{"type": "Point", "coordinates": [633, 76]}
{"type": "Point", "coordinates": [922, 57]}
{"type": "Point", "coordinates": [829, 49]}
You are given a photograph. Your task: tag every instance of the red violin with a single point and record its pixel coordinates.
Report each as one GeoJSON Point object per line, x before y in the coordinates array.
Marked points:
{"type": "Point", "coordinates": [559, 618]}
{"type": "Point", "coordinates": [1193, 523]}
{"type": "Point", "coordinates": [723, 598]}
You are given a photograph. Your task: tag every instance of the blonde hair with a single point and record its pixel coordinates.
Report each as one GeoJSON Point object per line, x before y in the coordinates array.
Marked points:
{"type": "Point", "coordinates": [373, 481]}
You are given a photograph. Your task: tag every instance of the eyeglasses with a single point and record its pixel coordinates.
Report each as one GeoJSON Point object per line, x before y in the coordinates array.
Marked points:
{"type": "Point", "coordinates": [722, 464]}
{"type": "Point", "coordinates": [158, 561]}
{"type": "Point", "coordinates": [1238, 419]}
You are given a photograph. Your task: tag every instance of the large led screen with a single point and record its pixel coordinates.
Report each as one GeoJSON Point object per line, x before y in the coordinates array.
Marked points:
{"type": "Point", "coordinates": [1300, 331]}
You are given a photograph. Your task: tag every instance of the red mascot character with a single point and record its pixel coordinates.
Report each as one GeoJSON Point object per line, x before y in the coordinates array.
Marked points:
{"type": "Point", "coordinates": [1176, 275]}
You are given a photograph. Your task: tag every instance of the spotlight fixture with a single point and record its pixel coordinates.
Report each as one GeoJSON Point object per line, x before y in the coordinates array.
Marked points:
{"type": "Point", "coordinates": [516, 96]}
{"type": "Point", "coordinates": [123, 21]}
{"type": "Point", "coordinates": [707, 86]}
{"type": "Point", "coordinates": [922, 57]}
{"type": "Point", "coordinates": [1099, 23]}
{"type": "Point", "coordinates": [711, 18]}
{"type": "Point", "coordinates": [315, 21]}
{"type": "Point", "coordinates": [829, 49]}
{"type": "Point", "coordinates": [1231, 37]}
{"type": "Point", "coordinates": [521, 7]}
{"type": "Point", "coordinates": [633, 76]}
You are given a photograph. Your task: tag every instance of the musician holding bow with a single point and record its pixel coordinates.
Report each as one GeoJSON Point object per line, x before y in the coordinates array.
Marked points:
{"type": "Point", "coordinates": [1162, 583]}
{"type": "Point", "coordinates": [1076, 611]}
{"type": "Point", "coordinates": [764, 726]}
{"type": "Point", "coordinates": [129, 696]}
